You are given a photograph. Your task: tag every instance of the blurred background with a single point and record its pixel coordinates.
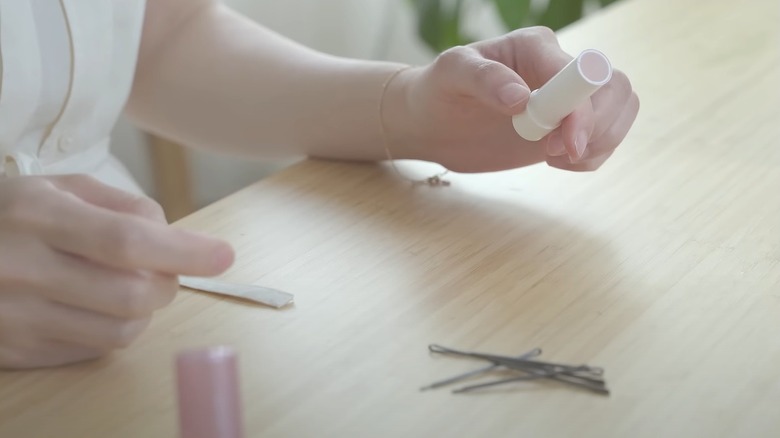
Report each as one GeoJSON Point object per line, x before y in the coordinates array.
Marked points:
{"type": "Point", "coordinates": [409, 31]}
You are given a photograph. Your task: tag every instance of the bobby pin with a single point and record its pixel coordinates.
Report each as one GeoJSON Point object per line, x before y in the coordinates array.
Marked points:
{"type": "Point", "coordinates": [583, 376]}
{"type": "Point", "coordinates": [595, 385]}
{"type": "Point", "coordinates": [444, 382]}
{"type": "Point", "coordinates": [517, 363]}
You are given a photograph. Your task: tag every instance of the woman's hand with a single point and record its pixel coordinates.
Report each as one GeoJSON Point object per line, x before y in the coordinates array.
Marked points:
{"type": "Point", "coordinates": [83, 266]}
{"type": "Point", "coordinates": [457, 111]}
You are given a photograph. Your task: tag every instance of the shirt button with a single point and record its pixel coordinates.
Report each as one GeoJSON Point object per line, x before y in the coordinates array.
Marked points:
{"type": "Point", "coordinates": [65, 143]}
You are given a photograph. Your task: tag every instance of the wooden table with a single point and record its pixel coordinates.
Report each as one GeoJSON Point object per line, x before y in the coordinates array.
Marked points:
{"type": "Point", "coordinates": [663, 267]}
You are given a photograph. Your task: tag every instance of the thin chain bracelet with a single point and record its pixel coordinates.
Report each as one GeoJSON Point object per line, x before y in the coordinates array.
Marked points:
{"type": "Point", "coordinates": [435, 180]}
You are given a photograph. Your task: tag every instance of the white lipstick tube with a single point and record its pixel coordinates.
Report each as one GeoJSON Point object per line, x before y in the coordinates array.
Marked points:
{"type": "Point", "coordinates": [562, 94]}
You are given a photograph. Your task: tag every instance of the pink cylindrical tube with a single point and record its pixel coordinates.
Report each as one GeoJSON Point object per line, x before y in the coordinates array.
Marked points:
{"type": "Point", "coordinates": [208, 394]}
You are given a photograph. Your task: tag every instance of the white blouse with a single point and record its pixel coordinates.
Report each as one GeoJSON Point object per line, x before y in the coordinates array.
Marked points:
{"type": "Point", "coordinates": [66, 69]}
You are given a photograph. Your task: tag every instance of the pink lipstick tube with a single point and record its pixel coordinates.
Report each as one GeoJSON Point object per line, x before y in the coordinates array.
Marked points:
{"type": "Point", "coordinates": [208, 394]}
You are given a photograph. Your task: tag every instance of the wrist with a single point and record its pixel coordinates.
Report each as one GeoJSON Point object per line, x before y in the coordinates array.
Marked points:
{"type": "Point", "coordinates": [401, 135]}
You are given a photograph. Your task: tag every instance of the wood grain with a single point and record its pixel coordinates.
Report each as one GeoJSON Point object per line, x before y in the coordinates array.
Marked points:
{"type": "Point", "coordinates": [663, 267]}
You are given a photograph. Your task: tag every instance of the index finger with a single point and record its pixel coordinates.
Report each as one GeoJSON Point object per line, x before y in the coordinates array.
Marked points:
{"type": "Point", "coordinates": [94, 192]}
{"type": "Point", "coordinates": [532, 52]}
{"type": "Point", "coordinates": [131, 242]}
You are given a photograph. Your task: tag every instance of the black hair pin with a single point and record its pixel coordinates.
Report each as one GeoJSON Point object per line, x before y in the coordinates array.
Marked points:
{"type": "Point", "coordinates": [526, 366]}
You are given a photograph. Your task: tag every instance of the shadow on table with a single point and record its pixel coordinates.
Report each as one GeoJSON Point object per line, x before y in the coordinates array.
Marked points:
{"type": "Point", "coordinates": [483, 258]}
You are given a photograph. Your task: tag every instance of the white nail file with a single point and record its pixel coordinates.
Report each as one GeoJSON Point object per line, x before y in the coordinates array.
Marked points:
{"type": "Point", "coordinates": [264, 295]}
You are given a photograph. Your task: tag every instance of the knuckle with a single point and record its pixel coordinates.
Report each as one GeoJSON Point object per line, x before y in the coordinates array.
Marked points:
{"type": "Point", "coordinates": [124, 332]}
{"type": "Point", "coordinates": [78, 179]}
{"type": "Point", "coordinates": [16, 207]}
{"type": "Point", "coordinates": [622, 83]}
{"type": "Point", "coordinates": [485, 71]}
{"type": "Point", "coordinates": [594, 164]}
{"type": "Point", "coordinates": [540, 34]}
{"type": "Point", "coordinates": [20, 203]}
{"type": "Point", "coordinates": [558, 163]}
{"type": "Point", "coordinates": [20, 267]}
{"type": "Point", "coordinates": [147, 207]}
{"type": "Point", "coordinates": [122, 241]}
{"type": "Point", "coordinates": [136, 299]}
{"type": "Point", "coordinates": [6, 326]}
{"type": "Point", "coordinates": [15, 340]}
{"type": "Point", "coordinates": [591, 167]}
{"type": "Point", "coordinates": [451, 57]}
{"type": "Point", "coordinates": [635, 100]}
{"type": "Point", "coordinates": [621, 77]}
{"type": "Point", "coordinates": [18, 272]}
{"type": "Point", "coordinates": [168, 287]}
{"type": "Point", "coordinates": [13, 358]}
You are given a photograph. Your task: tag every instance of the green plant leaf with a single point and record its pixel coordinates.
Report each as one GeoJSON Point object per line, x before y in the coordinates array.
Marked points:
{"type": "Point", "coordinates": [439, 23]}
{"type": "Point", "coordinates": [428, 21]}
{"type": "Point", "coordinates": [560, 13]}
{"type": "Point", "coordinates": [514, 13]}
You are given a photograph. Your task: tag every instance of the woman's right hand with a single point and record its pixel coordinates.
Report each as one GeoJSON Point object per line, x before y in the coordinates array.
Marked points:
{"type": "Point", "coordinates": [83, 266]}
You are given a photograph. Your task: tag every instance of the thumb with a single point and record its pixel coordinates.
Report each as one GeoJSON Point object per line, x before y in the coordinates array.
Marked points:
{"type": "Point", "coordinates": [490, 82]}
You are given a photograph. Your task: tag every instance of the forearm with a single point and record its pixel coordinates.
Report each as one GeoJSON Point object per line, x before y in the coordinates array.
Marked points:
{"type": "Point", "coordinates": [223, 82]}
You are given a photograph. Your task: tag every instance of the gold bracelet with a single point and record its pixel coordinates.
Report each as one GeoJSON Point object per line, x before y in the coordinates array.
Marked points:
{"type": "Point", "coordinates": [435, 180]}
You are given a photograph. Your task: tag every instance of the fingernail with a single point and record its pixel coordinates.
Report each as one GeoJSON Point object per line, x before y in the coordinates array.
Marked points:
{"type": "Point", "coordinates": [512, 94]}
{"type": "Point", "coordinates": [555, 146]}
{"type": "Point", "coordinates": [580, 143]}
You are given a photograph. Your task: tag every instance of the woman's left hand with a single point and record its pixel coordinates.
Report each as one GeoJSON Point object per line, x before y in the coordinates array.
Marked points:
{"type": "Point", "coordinates": [457, 110]}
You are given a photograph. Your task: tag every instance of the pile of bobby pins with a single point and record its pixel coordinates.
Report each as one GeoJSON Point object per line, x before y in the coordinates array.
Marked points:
{"type": "Point", "coordinates": [521, 368]}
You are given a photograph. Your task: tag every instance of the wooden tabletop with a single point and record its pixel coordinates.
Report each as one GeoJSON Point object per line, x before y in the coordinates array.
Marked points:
{"type": "Point", "coordinates": [663, 267]}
